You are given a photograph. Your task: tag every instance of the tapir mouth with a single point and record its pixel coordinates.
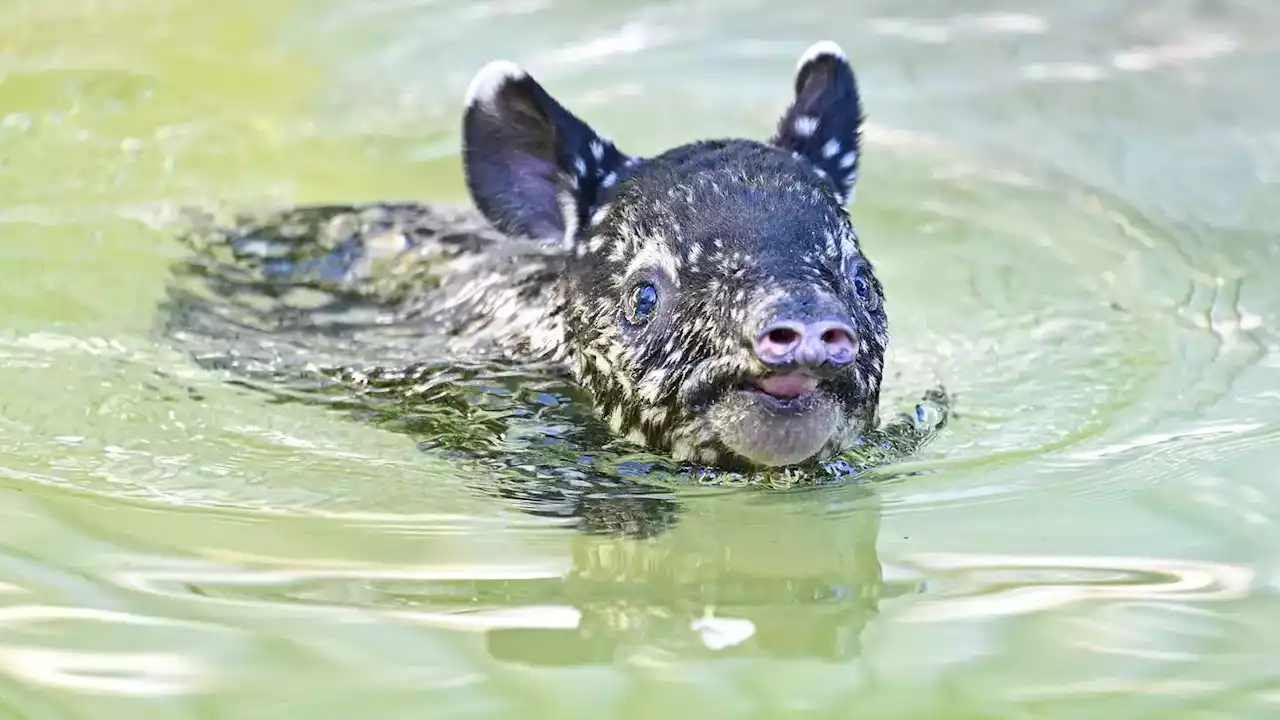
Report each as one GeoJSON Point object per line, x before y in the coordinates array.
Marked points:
{"type": "Point", "coordinates": [770, 418]}
{"type": "Point", "coordinates": [787, 391]}
{"type": "Point", "coordinates": [788, 386]}
{"type": "Point", "coordinates": [785, 394]}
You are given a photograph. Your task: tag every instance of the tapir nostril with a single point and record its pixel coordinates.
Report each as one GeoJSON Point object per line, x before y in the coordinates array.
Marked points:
{"type": "Point", "coordinates": [840, 344]}
{"type": "Point", "coordinates": [779, 341]}
{"type": "Point", "coordinates": [810, 344]}
{"type": "Point", "coordinates": [782, 337]}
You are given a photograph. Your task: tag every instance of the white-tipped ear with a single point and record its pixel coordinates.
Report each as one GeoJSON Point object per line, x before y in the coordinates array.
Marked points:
{"type": "Point", "coordinates": [822, 47]}
{"type": "Point", "coordinates": [533, 168]}
{"type": "Point", "coordinates": [824, 122]}
{"type": "Point", "coordinates": [490, 78]}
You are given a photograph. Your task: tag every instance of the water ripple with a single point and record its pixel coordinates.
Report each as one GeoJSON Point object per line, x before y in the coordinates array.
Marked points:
{"type": "Point", "coordinates": [985, 586]}
{"type": "Point", "coordinates": [169, 669]}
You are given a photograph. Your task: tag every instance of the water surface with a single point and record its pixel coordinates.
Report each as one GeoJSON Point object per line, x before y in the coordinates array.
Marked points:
{"type": "Point", "coordinates": [1072, 208]}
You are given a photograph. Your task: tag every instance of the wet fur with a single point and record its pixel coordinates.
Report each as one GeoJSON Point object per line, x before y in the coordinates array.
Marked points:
{"type": "Point", "coordinates": [732, 231]}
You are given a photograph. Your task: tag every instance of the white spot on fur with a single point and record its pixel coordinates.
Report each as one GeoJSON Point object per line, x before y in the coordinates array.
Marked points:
{"type": "Point", "coordinates": [848, 160]}
{"type": "Point", "coordinates": [655, 253]}
{"type": "Point", "coordinates": [609, 180]}
{"type": "Point", "coordinates": [580, 165]}
{"type": "Point", "coordinates": [569, 216]}
{"type": "Point", "coordinates": [831, 148]}
{"type": "Point", "coordinates": [617, 254]}
{"type": "Point", "coordinates": [597, 150]}
{"type": "Point", "coordinates": [805, 125]}
{"type": "Point", "coordinates": [651, 387]}
{"type": "Point", "coordinates": [654, 415]}
{"type": "Point", "coordinates": [848, 244]}
{"type": "Point", "coordinates": [490, 79]}
{"type": "Point", "coordinates": [600, 214]}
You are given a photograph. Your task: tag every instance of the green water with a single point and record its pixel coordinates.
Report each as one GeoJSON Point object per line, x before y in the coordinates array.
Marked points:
{"type": "Point", "coordinates": [1072, 207]}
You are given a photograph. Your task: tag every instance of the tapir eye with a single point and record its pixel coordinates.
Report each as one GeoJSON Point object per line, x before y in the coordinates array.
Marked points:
{"type": "Point", "coordinates": [644, 301]}
{"type": "Point", "coordinates": [861, 286]}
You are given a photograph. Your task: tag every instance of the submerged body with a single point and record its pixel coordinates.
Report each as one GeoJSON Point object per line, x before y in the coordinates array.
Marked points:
{"type": "Point", "coordinates": [713, 299]}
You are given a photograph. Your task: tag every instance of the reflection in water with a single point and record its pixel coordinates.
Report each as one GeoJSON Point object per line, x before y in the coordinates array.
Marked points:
{"type": "Point", "coordinates": [714, 589]}
{"type": "Point", "coordinates": [757, 575]}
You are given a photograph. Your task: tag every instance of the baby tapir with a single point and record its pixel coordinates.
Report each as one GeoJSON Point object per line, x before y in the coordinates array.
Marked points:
{"type": "Point", "coordinates": [713, 298]}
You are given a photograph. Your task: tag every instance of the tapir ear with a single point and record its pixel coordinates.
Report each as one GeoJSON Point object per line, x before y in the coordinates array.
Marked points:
{"type": "Point", "coordinates": [533, 168]}
{"type": "Point", "coordinates": [824, 123]}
